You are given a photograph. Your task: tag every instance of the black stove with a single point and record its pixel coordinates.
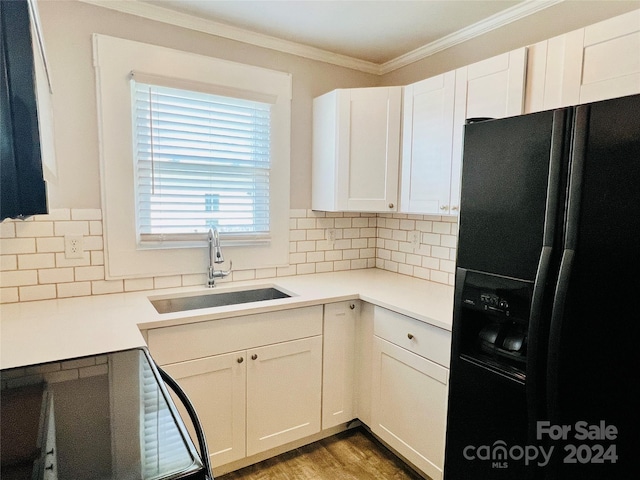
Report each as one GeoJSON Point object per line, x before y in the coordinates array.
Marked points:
{"type": "Point", "coordinates": [101, 417]}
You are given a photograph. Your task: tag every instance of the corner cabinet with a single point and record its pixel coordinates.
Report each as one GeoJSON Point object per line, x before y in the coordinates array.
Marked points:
{"type": "Point", "coordinates": [410, 384]}
{"type": "Point", "coordinates": [255, 380]}
{"type": "Point", "coordinates": [435, 111]}
{"type": "Point", "coordinates": [356, 150]}
{"type": "Point", "coordinates": [594, 63]}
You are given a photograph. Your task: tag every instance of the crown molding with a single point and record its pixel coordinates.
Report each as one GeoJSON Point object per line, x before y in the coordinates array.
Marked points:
{"type": "Point", "coordinates": [165, 15]}
{"type": "Point", "coordinates": [517, 12]}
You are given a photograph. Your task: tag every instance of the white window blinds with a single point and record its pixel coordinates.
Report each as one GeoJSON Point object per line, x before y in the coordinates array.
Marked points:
{"type": "Point", "coordinates": [202, 161]}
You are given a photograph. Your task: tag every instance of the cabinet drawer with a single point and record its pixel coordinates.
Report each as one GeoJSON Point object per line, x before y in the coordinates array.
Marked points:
{"type": "Point", "coordinates": [203, 339]}
{"type": "Point", "coordinates": [421, 338]}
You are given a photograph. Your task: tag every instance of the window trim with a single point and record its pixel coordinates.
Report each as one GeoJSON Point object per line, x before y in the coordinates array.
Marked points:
{"type": "Point", "coordinates": [114, 60]}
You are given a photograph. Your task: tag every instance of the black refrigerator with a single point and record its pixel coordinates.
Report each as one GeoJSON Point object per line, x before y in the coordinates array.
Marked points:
{"type": "Point", "coordinates": [545, 368]}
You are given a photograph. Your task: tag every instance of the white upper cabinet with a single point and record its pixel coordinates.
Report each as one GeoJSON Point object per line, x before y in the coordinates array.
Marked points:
{"type": "Point", "coordinates": [435, 111]}
{"type": "Point", "coordinates": [356, 150]}
{"type": "Point", "coordinates": [594, 63]}
{"type": "Point", "coordinates": [427, 142]}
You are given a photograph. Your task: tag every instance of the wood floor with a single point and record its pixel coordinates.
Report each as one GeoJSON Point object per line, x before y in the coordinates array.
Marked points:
{"type": "Point", "coordinates": [350, 455]}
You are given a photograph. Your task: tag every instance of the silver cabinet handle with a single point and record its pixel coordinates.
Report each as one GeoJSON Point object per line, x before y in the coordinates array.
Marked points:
{"type": "Point", "coordinates": [454, 208]}
{"type": "Point", "coordinates": [254, 356]}
{"type": "Point", "coordinates": [444, 207]}
{"type": "Point", "coordinates": [410, 336]}
{"type": "Point", "coordinates": [391, 205]}
{"type": "Point", "coordinates": [240, 359]}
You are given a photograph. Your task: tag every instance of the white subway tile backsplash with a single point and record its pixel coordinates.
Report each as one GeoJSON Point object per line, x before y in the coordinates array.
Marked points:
{"type": "Point", "coordinates": [7, 230]}
{"type": "Point", "coordinates": [9, 295]}
{"type": "Point", "coordinates": [8, 262]}
{"type": "Point", "coordinates": [438, 276]}
{"type": "Point", "coordinates": [50, 244]}
{"type": "Point", "coordinates": [37, 292]}
{"type": "Point", "coordinates": [305, 268]}
{"type": "Point", "coordinates": [97, 257]}
{"type": "Point", "coordinates": [34, 266]}
{"type": "Point", "coordinates": [34, 229]}
{"type": "Point", "coordinates": [84, 274]}
{"type": "Point", "coordinates": [18, 245]}
{"type": "Point", "coordinates": [93, 243]}
{"type": "Point", "coordinates": [75, 289]}
{"type": "Point", "coordinates": [100, 287]}
{"type": "Point", "coordinates": [95, 227]}
{"type": "Point", "coordinates": [56, 275]}
{"type": "Point", "coordinates": [62, 261]}
{"type": "Point", "coordinates": [17, 278]}
{"type": "Point", "coordinates": [36, 260]}
{"type": "Point", "coordinates": [71, 228]}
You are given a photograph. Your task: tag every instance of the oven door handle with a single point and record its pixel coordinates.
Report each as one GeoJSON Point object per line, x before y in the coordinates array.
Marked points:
{"type": "Point", "coordinates": [193, 416]}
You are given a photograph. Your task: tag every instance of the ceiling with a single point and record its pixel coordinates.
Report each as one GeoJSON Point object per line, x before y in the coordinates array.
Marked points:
{"type": "Point", "coordinates": [374, 31]}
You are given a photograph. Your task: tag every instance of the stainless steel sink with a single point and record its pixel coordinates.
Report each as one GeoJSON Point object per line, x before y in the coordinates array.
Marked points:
{"type": "Point", "coordinates": [217, 299]}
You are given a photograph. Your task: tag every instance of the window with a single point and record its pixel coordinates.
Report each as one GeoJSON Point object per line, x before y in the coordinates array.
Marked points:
{"type": "Point", "coordinates": [155, 224]}
{"type": "Point", "coordinates": [202, 161]}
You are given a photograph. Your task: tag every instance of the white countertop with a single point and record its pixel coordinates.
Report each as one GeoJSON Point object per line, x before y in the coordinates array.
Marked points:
{"type": "Point", "coordinates": [50, 330]}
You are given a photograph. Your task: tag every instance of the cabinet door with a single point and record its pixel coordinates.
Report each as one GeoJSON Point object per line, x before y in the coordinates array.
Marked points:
{"type": "Point", "coordinates": [338, 363]}
{"type": "Point", "coordinates": [491, 88]}
{"type": "Point", "coordinates": [611, 58]}
{"type": "Point", "coordinates": [216, 387]}
{"type": "Point", "coordinates": [427, 144]}
{"type": "Point", "coordinates": [554, 68]}
{"type": "Point", "coordinates": [284, 384]}
{"type": "Point", "coordinates": [594, 63]}
{"type": "Point", "coordinates": [368, 148]}
{"type": "Point", "coordinates": [409, 405]}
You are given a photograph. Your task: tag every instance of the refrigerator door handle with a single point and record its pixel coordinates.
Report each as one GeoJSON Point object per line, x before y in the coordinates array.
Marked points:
{"type": "Point", "coordinates": [537, 335]}
{"type": "Point", "coordinates": [558, 320]}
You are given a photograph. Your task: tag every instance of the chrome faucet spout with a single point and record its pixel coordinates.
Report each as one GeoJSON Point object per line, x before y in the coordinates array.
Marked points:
{"type": "Point", "coordinates": [218, 258]}
{"type": "Point", "coordinates": [215, 256]}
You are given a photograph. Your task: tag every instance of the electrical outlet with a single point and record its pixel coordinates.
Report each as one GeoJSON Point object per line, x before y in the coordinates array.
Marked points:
{"type": "Point", "coordinates": [73, 246]}
{"type": "Point", "coordinates": [330, 235]}
{"type": "Point", "coordinates": [414, 239]}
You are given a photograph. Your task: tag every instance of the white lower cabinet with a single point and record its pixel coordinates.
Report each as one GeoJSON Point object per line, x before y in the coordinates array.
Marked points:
{"type": "Point", "coordinates": [262, 381]}
{"type": "Point", "coordinates": [252, 399]}
{"type": "Point", "coordinates": [284, 384]}
{"type": "Point", "coordinates": [217, 388]}
{"type": "Point", "coordinates": [409, 401]}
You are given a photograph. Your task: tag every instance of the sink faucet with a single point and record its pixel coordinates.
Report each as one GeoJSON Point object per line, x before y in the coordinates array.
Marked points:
{"type": "Point", "coordinates": [215, 256]}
